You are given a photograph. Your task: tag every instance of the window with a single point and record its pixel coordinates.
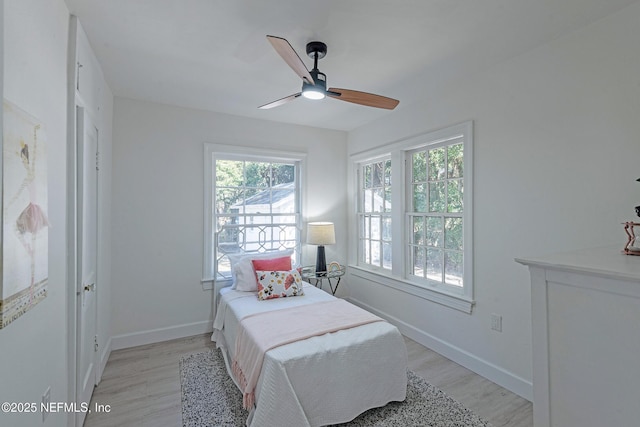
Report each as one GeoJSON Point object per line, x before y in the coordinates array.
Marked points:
{"type": "Point", "coordinates": [435, 215]}
{"type": "Point", "coordinates": [252, 204]}
{"type": "Point", "coordinates": [414, 199]}
{"type": "Point", "coordinates": [374, 213]}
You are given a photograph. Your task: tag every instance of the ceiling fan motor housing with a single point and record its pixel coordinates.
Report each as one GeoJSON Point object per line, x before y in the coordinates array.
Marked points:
{"type": "Point", "coordinates": [320, 79]}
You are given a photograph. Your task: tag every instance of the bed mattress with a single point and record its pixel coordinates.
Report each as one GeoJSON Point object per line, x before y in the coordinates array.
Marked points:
{"type": "Point", "coordinates": [328, 379]}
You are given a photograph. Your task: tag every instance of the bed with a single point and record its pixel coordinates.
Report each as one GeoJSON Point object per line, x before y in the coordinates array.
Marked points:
{"type": "Point", "coordinates": [327, 379]}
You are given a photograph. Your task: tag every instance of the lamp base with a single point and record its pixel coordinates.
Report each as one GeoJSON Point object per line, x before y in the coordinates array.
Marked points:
{"type": "Point", "coordinates": [321, 262]}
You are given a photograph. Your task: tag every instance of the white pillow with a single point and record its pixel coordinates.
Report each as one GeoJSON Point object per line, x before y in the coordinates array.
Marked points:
{"type": "Point", "coordinates": [244, 277]}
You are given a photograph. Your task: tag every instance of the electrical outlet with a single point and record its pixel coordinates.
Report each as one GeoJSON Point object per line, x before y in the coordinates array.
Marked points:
{"type": "Point", "coordinates": [496, 322]}
{"type": "Point", "coordinates": [46, 401]}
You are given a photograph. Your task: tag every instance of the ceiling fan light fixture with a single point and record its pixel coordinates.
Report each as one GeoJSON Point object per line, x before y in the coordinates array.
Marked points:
{"type": "Point", "coordinates": [318, 89]}
{"type": "Point", "coordinates": [313, 93]}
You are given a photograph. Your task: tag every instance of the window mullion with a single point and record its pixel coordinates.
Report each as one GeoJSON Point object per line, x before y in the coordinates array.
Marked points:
{"type": "Point", "coordinates": [398, 233]}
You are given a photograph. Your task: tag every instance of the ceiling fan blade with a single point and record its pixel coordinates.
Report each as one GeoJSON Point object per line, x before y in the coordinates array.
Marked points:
{"type": "Point", "coordinates": [280, 102]}
{"type": "Point", "coordinates": [290, 56]}
{"type": "Point", "coordinates": [363, 98]}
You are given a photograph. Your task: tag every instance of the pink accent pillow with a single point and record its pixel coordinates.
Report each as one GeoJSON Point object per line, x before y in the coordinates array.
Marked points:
{"type": "Point", "coordinates": [273, 264]}
{"type": "Point", "coordinates": [279, 284]}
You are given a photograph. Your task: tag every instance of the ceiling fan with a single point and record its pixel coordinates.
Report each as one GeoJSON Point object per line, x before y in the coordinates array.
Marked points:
{"type": "Point", "coordinates": [314, 82]}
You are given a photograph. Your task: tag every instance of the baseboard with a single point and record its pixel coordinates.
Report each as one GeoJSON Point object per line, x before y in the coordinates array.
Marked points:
{"type": "Point", "coordinates": [162, 334]}
{"type": "Point", "coordinates": [104, 357]}
{"type": "Point", "coordinates": [481, 367]}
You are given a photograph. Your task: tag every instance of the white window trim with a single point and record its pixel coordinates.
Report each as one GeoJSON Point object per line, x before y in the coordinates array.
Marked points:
{"type": "Point", "coordinates": [241, 153]}
{"type": "Point", "coordinates": [397, 278]}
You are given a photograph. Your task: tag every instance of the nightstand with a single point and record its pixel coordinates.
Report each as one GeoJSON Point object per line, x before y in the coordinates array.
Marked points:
{"type": "Point", "coordinates": [310, 274]}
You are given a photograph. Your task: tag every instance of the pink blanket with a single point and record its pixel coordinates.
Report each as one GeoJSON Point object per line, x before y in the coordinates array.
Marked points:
{"type": "Point", "coordinates": [260, 332]}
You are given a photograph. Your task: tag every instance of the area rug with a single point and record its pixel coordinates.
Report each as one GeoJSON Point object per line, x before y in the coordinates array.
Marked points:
{"type": "Point", "coordinates": [210, 398]}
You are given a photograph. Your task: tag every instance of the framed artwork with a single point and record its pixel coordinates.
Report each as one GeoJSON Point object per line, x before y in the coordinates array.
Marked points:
{"type": "Point", "coordinates": [25, 224]}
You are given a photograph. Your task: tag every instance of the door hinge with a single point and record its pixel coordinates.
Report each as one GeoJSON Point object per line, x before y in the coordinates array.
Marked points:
{"type": "Point", "coordinates": [95, 343]}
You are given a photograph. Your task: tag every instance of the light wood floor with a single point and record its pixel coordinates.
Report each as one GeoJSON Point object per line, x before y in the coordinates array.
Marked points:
{"type": "Point", "coordinates": [142, 385]}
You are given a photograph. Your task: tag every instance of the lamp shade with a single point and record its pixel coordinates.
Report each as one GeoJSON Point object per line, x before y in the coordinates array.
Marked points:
{"type": "Point", "coordinates": [321, 233]}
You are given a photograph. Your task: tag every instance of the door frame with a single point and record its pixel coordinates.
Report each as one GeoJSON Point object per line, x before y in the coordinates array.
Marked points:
{"type": "Point", "coordinates": [71, 225]}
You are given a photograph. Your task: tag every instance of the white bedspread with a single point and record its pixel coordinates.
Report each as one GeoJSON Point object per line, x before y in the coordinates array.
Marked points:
{"type": "Point", "coordinates": [322, 380]}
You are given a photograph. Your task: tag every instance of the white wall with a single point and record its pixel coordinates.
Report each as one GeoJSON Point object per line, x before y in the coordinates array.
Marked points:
{"type": "Point", "coordinates": [158, 209]}
{"type": "Point", "coordinates": [33, 347]}
{"type": "Point", "coordinates": [557, 144]}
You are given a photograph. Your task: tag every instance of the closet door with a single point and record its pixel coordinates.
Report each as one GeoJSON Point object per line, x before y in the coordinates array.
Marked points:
{"type": "Point", "coordinates": [87, 244]}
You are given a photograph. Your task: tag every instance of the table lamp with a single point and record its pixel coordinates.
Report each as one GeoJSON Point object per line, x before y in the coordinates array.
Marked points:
{"type": "Point", "coordinates": [321, 233]}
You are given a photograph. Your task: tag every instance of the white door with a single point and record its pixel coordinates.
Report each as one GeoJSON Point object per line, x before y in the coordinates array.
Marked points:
{"type": "Point", "coordinates": [87, 203]}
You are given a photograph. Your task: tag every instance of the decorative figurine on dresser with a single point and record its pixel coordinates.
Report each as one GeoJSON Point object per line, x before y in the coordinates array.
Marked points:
{"type": "Point", "coordinates": [633, 243]}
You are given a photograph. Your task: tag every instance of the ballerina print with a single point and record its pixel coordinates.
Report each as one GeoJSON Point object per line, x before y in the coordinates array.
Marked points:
{"type": "Point", "coordinates": [25, 222]}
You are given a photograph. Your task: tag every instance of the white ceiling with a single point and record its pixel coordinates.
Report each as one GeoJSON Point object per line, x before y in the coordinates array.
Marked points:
{"type": "Point", "coordinates": [213, 54]}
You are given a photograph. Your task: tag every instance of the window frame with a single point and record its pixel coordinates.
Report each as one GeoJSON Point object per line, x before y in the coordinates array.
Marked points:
{"type": "Point", "coordinates": [361, 213]}
{"type": "Point", "coordinates": [411, 213]}
{"type": "Point", "coordinates": [460, 298]}
{"type": "Point", "coordinates": [214, 151]}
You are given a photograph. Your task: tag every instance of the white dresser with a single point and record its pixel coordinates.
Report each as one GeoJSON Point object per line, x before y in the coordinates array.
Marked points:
{"type": "Point", "coordinates": [586, 338]}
